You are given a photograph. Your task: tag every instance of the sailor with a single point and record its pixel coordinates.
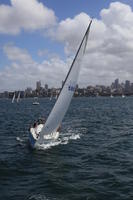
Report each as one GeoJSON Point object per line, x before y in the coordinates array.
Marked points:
{"type": "Point", "coordinates": [41, 121]}
{"type": "Point", "coordinates": [36, 124]}
{"type": "Point", "coordinates": [35, 128]}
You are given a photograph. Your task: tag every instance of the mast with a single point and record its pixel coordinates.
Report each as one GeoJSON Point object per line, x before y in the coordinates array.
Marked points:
{"type": "Point", "coordinates": [86, 33]}
{"type": "Point", "coordinates": [62, 103]}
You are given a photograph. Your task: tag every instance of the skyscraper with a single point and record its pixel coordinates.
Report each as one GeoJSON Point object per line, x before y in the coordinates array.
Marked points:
{"type": "Point", "coordinates": [127, 85]}
{"type": "Point", "coordinates": [46, 86]}
{"type": "Point", "coordinates": [116, 83]}
{"type": "Point", "coordinates": [38, 85]}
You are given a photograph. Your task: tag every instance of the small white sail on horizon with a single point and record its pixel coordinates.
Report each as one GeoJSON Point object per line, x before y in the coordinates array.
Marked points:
{"type": "Point", "coordinates": [51, 96]}
{"type": "Point", "coordinates": [18, 98]}
{"type": "Point", "coordinates": [13, 98]}
{"type": "Point", "coordinates": [62, 103]}
{"type": "Point", "coordinates": [111, 96]}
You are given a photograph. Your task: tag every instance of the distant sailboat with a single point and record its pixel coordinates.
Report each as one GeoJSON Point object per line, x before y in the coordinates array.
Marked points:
{"type": "Point", "coordinates": [18, 98]}
{"type": "Point", "coordinates": [51, 96]}
{"type": "Point", "coordinates": [123, 96]}
{"type": "Point", "coordinates": [111, 96]}
{"type": "Point", "coordinates": [13, 98]}
{"type": "Point", "coordinates": [39, 135]}
{"type": "Point", "coordinates": [35, 101]}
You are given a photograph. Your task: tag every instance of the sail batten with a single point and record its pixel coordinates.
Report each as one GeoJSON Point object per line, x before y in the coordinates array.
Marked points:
{"type": "Point", "coordinates": [60, 108]}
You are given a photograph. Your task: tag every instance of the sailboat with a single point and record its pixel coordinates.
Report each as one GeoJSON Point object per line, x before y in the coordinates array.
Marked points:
{"type": "Point", "coordinates": [18, 98]}
{"type": "Point", "coordinates": [35, 101]}
{"type": "Point", "coordinates": [111, 96]}
{"type": "Point", "coordinates": [13, 98]}
{"type": "Point", "coordinates": [41, 133]}
{"type": "Point", "coordinates": [51, 96]}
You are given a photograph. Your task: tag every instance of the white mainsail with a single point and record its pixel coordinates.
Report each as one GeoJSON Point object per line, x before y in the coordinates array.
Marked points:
{"type": "Point", "coordinates": [13, 98]}
{"type": "Point", "coordinates": [56, 116]}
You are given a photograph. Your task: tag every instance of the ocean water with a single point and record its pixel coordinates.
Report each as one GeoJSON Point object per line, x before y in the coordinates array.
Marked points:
{"type": "Point", "coordinates": [92, 160]}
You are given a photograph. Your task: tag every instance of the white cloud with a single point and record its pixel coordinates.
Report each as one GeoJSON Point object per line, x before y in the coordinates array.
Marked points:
{"type": "Point", "coordinates": [70, 31]}
{"type": "Point", "coordinates": [25, 15]}
{"type": "Point", "coordinates": [24, 71]}
{"type": "Point", "coordinates": [110, 45]}
{"type": "Point", "coordinates": [16, 54]}
{"type": "Point", "coordinates": [109, 51]}
{"type": "Point", "coordinates": [118, 14]}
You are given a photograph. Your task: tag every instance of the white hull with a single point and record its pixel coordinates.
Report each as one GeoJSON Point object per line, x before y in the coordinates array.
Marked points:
{"type": "Point", "coordinates": [35, 103]}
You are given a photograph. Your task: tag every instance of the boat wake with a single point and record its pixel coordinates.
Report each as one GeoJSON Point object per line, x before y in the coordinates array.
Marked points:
{"type": "Point", "coordinates": [63, 139]}
{"type": "Point", "coordinates": [38, 197]}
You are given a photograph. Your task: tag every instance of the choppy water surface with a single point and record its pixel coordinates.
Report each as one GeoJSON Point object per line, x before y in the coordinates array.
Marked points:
{"type": "Point", "coordinates": [92, 161]}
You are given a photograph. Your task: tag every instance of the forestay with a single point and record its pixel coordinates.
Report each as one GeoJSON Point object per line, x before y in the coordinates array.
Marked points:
{"type": "Point", "coordinates": [56, 116]}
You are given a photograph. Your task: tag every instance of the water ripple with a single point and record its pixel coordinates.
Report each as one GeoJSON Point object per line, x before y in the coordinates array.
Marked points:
{"type": "Point", "coordinates": [92, 160]}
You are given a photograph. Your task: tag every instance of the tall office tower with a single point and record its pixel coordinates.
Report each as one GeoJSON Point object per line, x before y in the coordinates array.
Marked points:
{"type": "Point", "coordinates": [38, 85]}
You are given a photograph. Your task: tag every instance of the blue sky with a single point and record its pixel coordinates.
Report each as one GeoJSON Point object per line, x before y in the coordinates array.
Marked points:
{"type": "Point", "coordinates": [63, 10]}
{"type": "Point", "coordinates": [70, 8]}
{"type": "Point", "coordinates": [41, 34]}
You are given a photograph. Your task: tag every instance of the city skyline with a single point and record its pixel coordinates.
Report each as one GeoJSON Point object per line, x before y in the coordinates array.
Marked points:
{"type": "Point", "coordinates": [116, 88]}
{"type": "Point", "coordinates": [115, 84]}
{"type": "Point", "coordinates": [38, 84]}
{"type": "Point", "coordinates": [39, 41]}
